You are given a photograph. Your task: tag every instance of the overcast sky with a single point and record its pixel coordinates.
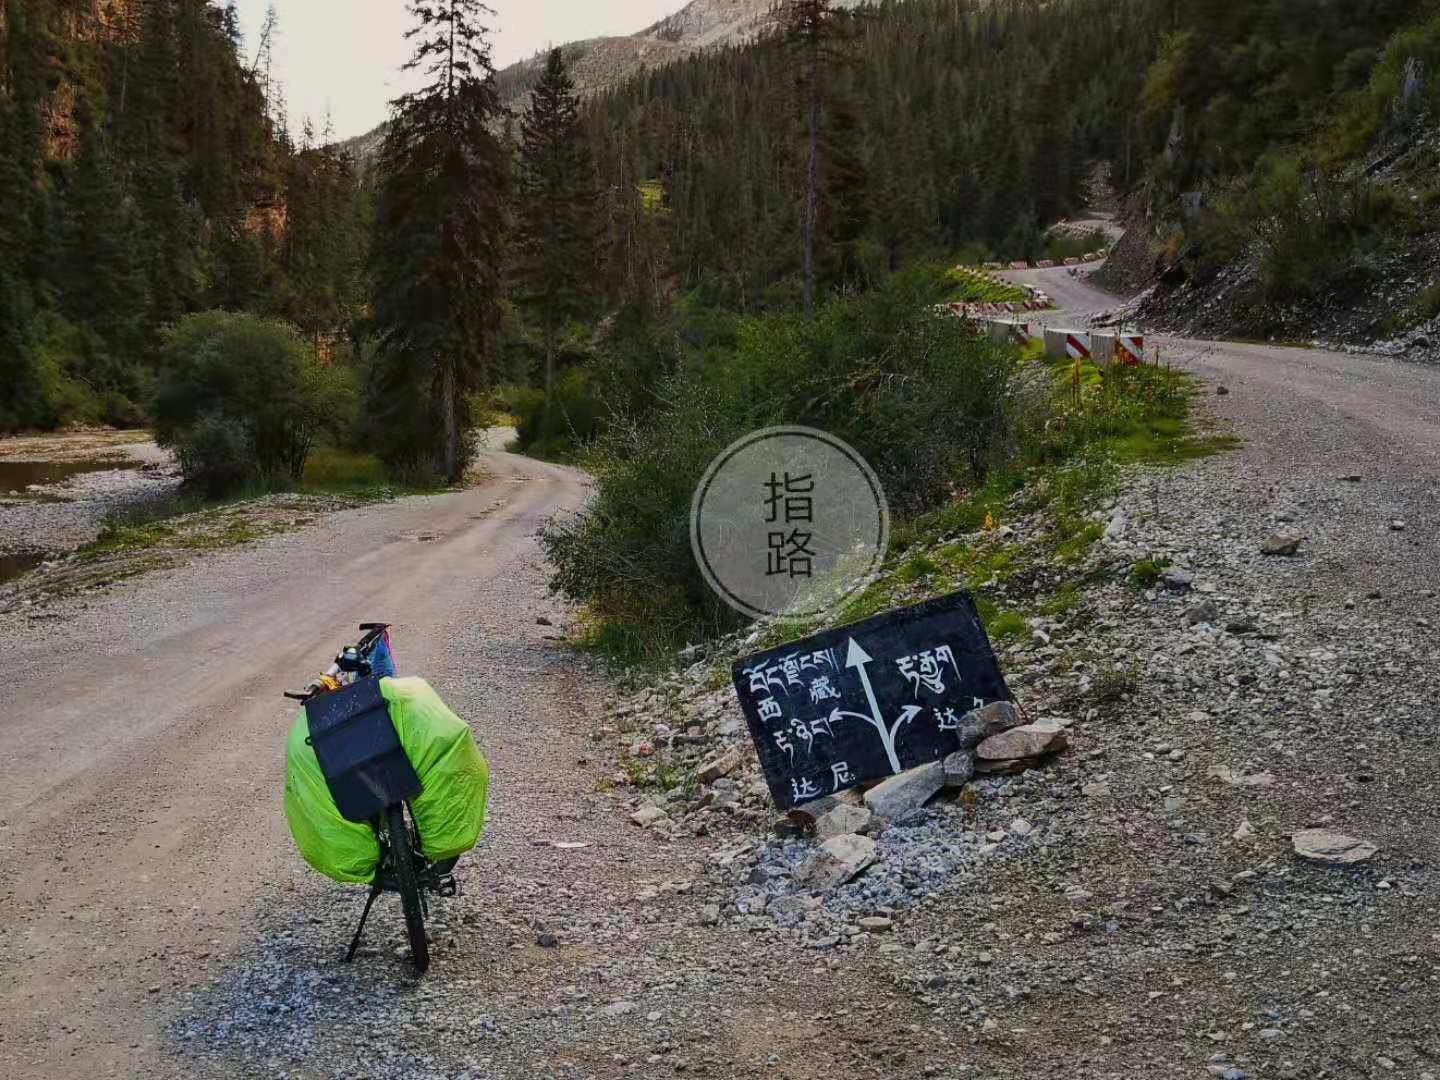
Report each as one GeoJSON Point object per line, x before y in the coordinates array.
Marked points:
{"type": "Point", "coordinates": [345, 55]}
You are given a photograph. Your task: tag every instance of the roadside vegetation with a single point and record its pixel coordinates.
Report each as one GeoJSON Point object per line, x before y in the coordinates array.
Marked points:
{"type": "Point", "coordinates": [1319, 173]}
{"type": "Point", "coordinates": [964, 434]}
{"type": "Point", "coordinates": [971, 286]}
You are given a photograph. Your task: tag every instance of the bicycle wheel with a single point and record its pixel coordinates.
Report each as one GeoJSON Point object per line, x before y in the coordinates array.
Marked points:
{"type": "Point", "coordinates": [404, 858]}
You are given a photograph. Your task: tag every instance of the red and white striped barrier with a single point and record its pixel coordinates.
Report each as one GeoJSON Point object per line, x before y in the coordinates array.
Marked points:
{"type": "Point", "coordinates": [1129, 349]}
{"type": "Point", "coordinates": [1077, 345]}
{"type": "Point", "coordinates": [1072, 262]}
{"type": "Point", "coordinates": [1045, 264]}
{"type": "Point", "coordinates": [1020, 264]}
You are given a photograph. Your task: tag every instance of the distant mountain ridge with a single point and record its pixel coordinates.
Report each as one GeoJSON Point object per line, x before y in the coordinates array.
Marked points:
{"type": "Point", "coordinates": [598, 63]}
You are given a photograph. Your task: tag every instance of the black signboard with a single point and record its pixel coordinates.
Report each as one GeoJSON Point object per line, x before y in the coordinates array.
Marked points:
{"type": "Point", "coordinates": [869, 700]}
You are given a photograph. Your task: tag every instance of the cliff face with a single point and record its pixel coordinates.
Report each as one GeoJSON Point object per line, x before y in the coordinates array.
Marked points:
{"type": "Point", "coordinates": [87, 21]}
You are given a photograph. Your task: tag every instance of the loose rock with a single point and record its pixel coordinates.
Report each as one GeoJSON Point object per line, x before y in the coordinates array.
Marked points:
{"type": "Point", "coordinates": [959, 769]}
{"type": "Point", "coordinates": [1032, 740]}
{"type": "Point", "coordinates": [1281, 545]}
{"type": "Point", "coordinates": [905, 792]}
{"type": "Point", "coordinates": [838, 860]}
{"type": "Point", "coordinates": [1331, 848]}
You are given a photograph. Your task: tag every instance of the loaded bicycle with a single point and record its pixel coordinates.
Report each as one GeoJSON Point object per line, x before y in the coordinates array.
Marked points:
{"type": "Point", "coordinates": [384, 785]}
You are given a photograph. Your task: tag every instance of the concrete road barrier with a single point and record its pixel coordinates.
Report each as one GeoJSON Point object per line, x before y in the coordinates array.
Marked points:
{"type": "Point", "coordinates": [1071, 344]}
{"type": "Point", "coordinates": [1102, 349]}
{"type": "Point", "coordinates": [1129, 349]}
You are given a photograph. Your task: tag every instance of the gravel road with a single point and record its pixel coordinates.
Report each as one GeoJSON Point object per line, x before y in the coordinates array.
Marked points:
{"type": "Point", "coordinates": [155, 920]}
{"type": "Point", "coordinates": [140, 754]}
{"type": "Point", "coordinates": [1311, 416]}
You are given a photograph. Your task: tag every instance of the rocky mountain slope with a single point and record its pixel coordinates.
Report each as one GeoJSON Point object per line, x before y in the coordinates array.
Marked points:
{"type": "Point", "coordinates": [599, 63]}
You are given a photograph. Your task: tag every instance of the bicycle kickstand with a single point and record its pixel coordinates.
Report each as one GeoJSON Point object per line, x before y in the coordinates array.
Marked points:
{"type": "Point", "coordinates": [375, 891]}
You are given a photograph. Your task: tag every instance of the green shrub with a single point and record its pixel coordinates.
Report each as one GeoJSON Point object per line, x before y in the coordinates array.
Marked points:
{"type": "Point", "coordinates": [1372, 111]}
{"type": "Point", "coordinates": [919, 395]}
{"type": "Point", "coordinates": [1062, 246]}
{"type": "Point", "coordinates": [242, 399]}
{"type": "Point", "coordinates": [557, 425]}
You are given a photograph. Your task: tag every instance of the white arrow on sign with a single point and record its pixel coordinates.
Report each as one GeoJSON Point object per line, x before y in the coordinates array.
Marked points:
{"type": "Point", "coordinates": [856, 657]}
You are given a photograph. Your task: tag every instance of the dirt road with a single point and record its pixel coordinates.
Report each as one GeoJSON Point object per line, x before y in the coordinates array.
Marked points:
{"type": "Point", "coordinates": [1310, 413]}
{"type": "Point", "coordinates": [140, 751]}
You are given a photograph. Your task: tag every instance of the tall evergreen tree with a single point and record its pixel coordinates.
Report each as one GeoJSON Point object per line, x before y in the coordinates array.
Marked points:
{"type": "Point", "coordinates": [558, 210]}
{"type": "Point", "coordinates": [103, 285]}
{"type": "Point", "coordinates": [806, 24]}
{"type": "Point", "coordinates": [437, 258]}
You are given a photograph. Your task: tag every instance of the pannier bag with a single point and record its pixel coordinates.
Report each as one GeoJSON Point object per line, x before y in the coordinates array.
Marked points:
{"type": "Point", "coordinates": [351, 734]}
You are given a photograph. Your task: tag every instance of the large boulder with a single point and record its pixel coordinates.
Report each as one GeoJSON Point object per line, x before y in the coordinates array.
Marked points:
{"type": "Point", "coordinates": [905, 792]}
{"type": "Point", "coordinates": [837, 861]}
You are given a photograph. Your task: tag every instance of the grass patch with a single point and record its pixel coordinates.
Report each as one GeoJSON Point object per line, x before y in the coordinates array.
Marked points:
{"type": "Point", "coordinates": [334, 471]}
{"type": "Point", "coordinates": [1145, 574]}
{"type": "Point", "coordinates": [1001, 624]}
{"type": "Point", "coordinates": [966, 285]}
{"type": "Point", "coordinates": [1113, 685]}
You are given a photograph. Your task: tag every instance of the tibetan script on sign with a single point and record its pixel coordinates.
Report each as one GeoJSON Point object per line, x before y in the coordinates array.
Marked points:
{"type": "Point", "coordinates": [868, 700]}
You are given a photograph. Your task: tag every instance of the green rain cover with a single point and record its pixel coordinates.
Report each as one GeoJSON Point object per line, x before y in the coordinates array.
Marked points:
{"type": "Point", "coordinates": [449, 812]}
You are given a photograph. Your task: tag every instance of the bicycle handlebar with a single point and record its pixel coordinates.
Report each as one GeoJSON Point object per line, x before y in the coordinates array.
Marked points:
{"type": "Point", "coordinates": [373, 632]}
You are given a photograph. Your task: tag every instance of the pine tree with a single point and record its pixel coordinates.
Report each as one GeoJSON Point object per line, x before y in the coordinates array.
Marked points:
{"type": "Point", "coordinates": [437, 259]}
{"type": "Point", "coordinates": [557, 208]}
{"type": "Point", "coordinates": [22, 75]}
{"type": "Point", "coordinates": [102, 285]}
{"type": "Point", "coordinates": [805, 23]}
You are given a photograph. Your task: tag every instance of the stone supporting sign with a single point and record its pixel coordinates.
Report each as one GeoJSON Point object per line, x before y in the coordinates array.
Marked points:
{"type": "Point", "coordinates": [869, 700]}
